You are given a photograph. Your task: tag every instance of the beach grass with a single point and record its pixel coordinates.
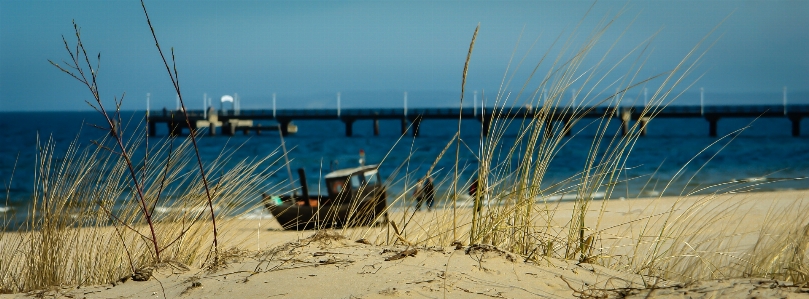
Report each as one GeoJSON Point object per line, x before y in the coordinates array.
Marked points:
{"type": "Point", "coordinates": [695, 237]}
{"type": "Point", "coordinates": [85, 225]}
{"type": "Point", "coordinates": [102, 213]}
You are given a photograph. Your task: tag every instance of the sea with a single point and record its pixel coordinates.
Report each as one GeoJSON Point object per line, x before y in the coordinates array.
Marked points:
{"type": "Point", "coordinates": [675, 157]}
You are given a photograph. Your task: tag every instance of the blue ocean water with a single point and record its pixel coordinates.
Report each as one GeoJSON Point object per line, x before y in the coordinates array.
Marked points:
{"type": "Point", "coordinates": [764, 150]}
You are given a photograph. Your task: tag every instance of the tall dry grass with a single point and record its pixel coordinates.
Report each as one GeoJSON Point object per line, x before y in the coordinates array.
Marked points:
{"type": "Point", "coordinates": [85, 225]}
{"type": "Point", "coordinates": [696, 236]}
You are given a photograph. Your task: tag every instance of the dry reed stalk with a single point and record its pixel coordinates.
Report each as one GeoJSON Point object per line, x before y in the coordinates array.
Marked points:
{"type": "Point", "coordinates": [458, 140]}
{"type": "Point", "coordinates": [76, 69]}
{"type": "Point", "coordinates": [175, 80]}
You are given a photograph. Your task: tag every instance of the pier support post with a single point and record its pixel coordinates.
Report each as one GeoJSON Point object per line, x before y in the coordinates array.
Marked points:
{"type": "Point", "coordinates": [212, 129]}
{"type": "Point", "coordinates": [152, 129]}
{"type": "Point", "coordinates": [796, 125]}
{"type": "Point", "coordinates": [626, 116]}
{"type": "Point", "coordinates": [712, 120]}
{"type": "Point", "coordinates": [548, 128]}
{"type": "Point", "coordinates": [174, 128]}
{"type": "Point", "coordinates": [229, 128]}
{"type": "Point", "coordinates": [404, 126]}
{"type": "Point", "coordinates": [349, 126]}
{"type": "Point", "coordinates": [283, 125]}
{"type": "Point", "coordinates": [643, 121]}
{"type": "Point", "coordinates": [487, 123]}
{"type": "Point", "coordinates": [416, 125]}
{"type": "Point", "coordinates": [258, 127]}
{"type": "Point", "coordinates": [567, 127]}
{"type": "Point", "coordinates": [376, 127]}
{"type": "Point", "coordinates": [225, 129]}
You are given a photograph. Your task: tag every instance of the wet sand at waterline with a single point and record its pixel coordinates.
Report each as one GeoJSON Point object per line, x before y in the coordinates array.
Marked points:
{"type": "Point", "coordinates": [372, 262]}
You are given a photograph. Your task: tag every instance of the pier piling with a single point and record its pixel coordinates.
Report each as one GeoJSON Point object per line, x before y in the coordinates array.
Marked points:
{"type": "Point", "coordinates": [712, 122]}
{"type": "Point", "coordinates": [229, 129]}
{"type": "Point", "coordinates": [416, 125]}
{"type": "Point", "coordinates": [642, 122]}
{"type": "Point", "coordinates": [626, 116]}
{"type": "Point", "coordinates": [486, 124]}
{"type": "Point", "coordinates": [548, 128]}
{"type": "Point", "coordinates": [349, 126]}
{"type": "Point", "coordinates": [796, 125]}
{"type": "Point", "coordinates": [404, 126]}
{"type": "Point", "coordinates": [567, 127]}
{"type": "Point", "coordinates": [175, 129]}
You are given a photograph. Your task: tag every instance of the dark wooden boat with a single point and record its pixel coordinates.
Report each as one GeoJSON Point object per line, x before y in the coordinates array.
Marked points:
{"type": "Point", "coordinates": [356, 197]}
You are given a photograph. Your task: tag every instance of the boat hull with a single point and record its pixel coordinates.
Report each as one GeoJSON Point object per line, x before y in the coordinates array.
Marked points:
{"type": "Point", "coordinates": [295, 214]}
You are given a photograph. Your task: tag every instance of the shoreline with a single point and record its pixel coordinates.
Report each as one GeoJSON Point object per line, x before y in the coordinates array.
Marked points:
{"type": "Point", "coordinates": [619, 209]}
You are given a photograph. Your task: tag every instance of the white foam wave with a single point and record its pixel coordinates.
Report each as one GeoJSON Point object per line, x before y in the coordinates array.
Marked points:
{"type": "Point", "coordinates": [257, 214]}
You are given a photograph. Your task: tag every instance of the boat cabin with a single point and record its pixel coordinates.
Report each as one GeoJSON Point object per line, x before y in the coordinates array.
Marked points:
{"type": "Point", "coordinates": [354, 183]}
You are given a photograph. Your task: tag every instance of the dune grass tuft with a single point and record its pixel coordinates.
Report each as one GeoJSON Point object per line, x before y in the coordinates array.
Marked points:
{"type": "Point", "coordinates": [517, 209]}
{"type": "Point", "coordinates": [85, 226]}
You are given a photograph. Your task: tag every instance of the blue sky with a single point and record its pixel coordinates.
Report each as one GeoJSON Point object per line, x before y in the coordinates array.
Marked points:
{"type": "Point", "coordinates": [373, 51]}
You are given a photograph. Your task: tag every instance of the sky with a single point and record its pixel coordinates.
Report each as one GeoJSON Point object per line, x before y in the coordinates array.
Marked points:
{"type": "Point", "coordinates": [373, 51]}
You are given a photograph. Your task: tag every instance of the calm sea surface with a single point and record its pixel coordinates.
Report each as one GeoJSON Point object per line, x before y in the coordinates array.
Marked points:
{"type": "Point", "coordinates": [764, 153]}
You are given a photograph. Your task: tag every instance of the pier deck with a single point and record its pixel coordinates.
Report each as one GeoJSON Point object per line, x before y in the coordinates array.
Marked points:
{"type": "Point", "coordinates": [414, 116]}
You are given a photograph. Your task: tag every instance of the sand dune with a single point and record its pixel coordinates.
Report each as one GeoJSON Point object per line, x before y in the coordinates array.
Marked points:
{"type": "Point", "coordinates": [361, 263]}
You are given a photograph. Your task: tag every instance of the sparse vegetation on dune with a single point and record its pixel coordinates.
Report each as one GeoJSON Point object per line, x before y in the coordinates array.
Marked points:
{"type": "Point", "coordinates": [86, 226]}
{"type": "Point", "coordinates": [108, 210]}
{"type": "Point", "coordinates": [694, 237]}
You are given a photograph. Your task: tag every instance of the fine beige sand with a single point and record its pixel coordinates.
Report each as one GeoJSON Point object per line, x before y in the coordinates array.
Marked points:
{"type": "Point", "coordinates": [357, 263]}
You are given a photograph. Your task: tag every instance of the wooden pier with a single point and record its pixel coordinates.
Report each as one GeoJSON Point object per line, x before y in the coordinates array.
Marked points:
{"type": "Point", "coordinates": [231, 122]}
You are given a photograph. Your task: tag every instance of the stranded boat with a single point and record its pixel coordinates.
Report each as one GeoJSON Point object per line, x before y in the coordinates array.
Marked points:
{"type": "Point", "coordinates": [356, 197]}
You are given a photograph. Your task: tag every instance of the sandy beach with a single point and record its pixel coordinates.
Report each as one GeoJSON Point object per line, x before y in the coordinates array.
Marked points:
{"type": "Point", "coordinates": [370, 263]}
